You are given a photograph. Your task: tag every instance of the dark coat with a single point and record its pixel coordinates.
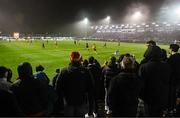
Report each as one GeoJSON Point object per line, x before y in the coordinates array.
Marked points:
{"type": "Point", "coordinates": [32, 96]}
{"type": "Point", "coordinates": [174, 62]}
{"type": "Point", "coordinates": [96, 75]}
{"type": "Point", "coordinates": [110, 71]}
{"type": "Point", "coordinates": [74, 85]}
{"type": "Point", "coordinates": [123, 94]}
{"type": "Point", "coordinates": [156, 76]}
{"type": "Point", "coordinates": [8, 105]}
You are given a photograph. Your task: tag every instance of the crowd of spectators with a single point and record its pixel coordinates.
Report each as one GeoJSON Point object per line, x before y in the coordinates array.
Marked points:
{"type": "Point", "coordinates": [124, 87]}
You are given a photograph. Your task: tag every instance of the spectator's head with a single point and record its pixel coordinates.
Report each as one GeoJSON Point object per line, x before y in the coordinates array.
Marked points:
{"type": "Point", "coordinates": [3, 72]}
{"type": "Point", "coordinates": [151, 43]}
{"type": "Point", "coordinates": [174, 47]}
{"type": "Point", "coordinates": [113, 60]}
{"type": "Point", "coordinates": [121, 58]}
{"type": "Point", "coordinates": [127, 63]}
{"type": "Point", "coordinates": [85, 63]}
{"type": "Point", "coordinates": [9, 75]}
{"type": "Point", "coordinates": [91, 59]}
{"type": "Point", "coordinates": [57, 70]}
{"type": "Point", "coordinates": [96, 63]}
{"type": "Point", "coordinates": [153, 53]}
{"type": "Point", "coordinates": [75, 57]}
{"type": "Point", "coordinates": [25, 70]}
{"type": "Point", "coordinates": [39, 68]}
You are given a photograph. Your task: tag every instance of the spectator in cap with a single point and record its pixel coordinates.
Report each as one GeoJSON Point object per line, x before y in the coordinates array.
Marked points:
{"type": "Point", "coordinates": [124, 90]}
{"type": "Point", "coordinates": [4, 84]}
{"type": "Point", "coordinates": [155, 75]}
{"type": "Point", "coordinates": [74, 86]}
{"type": "Point", "coordinates": [174, 61]}
{"type": "Point", "coordinates": [150, 44]}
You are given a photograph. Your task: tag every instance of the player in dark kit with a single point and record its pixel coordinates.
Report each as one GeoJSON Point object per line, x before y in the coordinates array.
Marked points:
{"type": "Point", "coordinates": [74, 42]}
{"type": "Point", "coordinates": [104, 44]}
{"type": "Point", "coordinates": [94, 48]}
{"type": "Point", "coordinates": [87, 45]}
{"type": "Point", "coordinates": [43, 45]}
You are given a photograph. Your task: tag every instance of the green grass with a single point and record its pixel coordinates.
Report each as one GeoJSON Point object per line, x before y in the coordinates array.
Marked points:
{"type": "Point", "coordinates": [52, 57]}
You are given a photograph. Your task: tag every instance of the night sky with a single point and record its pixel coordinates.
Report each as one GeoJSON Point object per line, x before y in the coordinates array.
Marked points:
{"type": "Point", "coordinates": [56, 15]}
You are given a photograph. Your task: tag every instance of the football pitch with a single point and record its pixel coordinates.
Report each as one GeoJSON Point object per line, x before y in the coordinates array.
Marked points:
{"type": "Point", "coordinates": [57, 56]}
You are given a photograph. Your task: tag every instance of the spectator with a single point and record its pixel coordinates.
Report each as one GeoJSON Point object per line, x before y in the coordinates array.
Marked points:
{"type": "Point", "coordinates": [96, 74]}
{"type": "Point", "coordinates": [164, 55]}
{"type": "Point", "coordinates": [55, 77]}
{"type": "Point", "coordinates": [110, 71]}
{"type": "Point", "coordinates": [124, 90]}
{"type": "Point", "coordinates": [31, 94]}
{"type": "Point", "coordinates": [85, 63]}
{"type": "Point", "coordinates": [41, 75]}
{"type": "Point", "coordinates": [73, 84]}
{"type": "Point", "coordinates": [149, 45]}
{"type": "Point", "coordinates": [9, 76]}
{"type": "Point", "coordinates": [155, 75]}
{"type": "Point", "coordinates": [174, 61]}
{"type": "Point", "coordinates": [4, 84]}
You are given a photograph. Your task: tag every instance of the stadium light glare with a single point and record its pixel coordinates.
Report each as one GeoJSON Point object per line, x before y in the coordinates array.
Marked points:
{"type": "Point", "coordinates": [85, 21]}
{"type": "Point", "coordinates": [137, 15]}
{"type": "Point", "coordinates": [108, 18]}
{"type": "Point", "coordinates": [177, 11]}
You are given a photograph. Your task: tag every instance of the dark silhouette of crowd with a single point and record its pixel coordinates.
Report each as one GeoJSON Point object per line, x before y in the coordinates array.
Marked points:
{"type": "Point", "coordinates": [120, 88]}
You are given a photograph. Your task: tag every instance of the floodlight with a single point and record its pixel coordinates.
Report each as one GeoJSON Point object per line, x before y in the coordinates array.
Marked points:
{"type": "Point", "coordinates": [137, 15]}
{"type": "Point", "coordinates": [85, 21]}
{"type": "Point", "coordinates": [177, 11]}
{"type": "Point", "coordinates": [108, 18]}
{"type": "Point", "coordinates": [157, 25]}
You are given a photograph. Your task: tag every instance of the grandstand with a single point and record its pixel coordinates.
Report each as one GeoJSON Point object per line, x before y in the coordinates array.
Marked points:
{"type": "Point", "coordinates": [160, 32]}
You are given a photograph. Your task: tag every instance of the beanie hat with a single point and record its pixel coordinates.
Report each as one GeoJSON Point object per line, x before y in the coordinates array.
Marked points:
{"type": "Point", "coordinates": [39, 68]}
{"type": "Point", "coordinates": [75, 56]}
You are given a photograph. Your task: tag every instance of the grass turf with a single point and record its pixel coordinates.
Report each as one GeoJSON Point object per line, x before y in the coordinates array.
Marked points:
{"type": "Point", "coordinates": [52, 56]}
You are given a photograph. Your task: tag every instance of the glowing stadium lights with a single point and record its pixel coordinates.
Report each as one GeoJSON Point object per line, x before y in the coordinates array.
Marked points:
{"type": "Point", "coordinates": [157, 25]}
{"type": "Point", "coordinates": [153, 23]}
{"type": "Point", "coordinates": [85, 21]}
{"type": "Point", "coordinates": [164, 23]}
{"type": "Point", "coordinates": [168, 25]}
{"type": "Point", "coordinates": [177, 11]}
{"type": "Point", "coordinates": [138, 26]}
{"type": "Point", "coordinates": [137, 15]}
{"type": "Point", "coordinates": [108, 18]}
